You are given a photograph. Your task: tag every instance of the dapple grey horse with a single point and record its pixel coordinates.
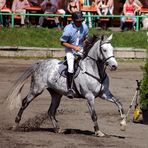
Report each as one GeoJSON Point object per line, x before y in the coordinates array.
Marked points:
{"type": "Point", "coordinates": [91, 82]}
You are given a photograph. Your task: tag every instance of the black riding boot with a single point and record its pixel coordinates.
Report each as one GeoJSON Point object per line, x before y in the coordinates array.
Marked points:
{"type": "Point", "coordinates": [70, 93]}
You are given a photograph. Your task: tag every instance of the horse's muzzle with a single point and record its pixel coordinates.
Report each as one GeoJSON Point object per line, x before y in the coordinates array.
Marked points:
{"type": "Point", "coordinates": [113, 67]}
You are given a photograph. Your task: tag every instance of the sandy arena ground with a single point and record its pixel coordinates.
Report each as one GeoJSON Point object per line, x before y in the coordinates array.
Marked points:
{"type": "Point", "coordinates": [36, 129]}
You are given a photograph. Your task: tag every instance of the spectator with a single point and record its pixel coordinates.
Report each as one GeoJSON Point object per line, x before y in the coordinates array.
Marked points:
{"type": "Point", "coordinates": [2, 5]}
{"type": "Point", "coordinates": [101, 6]}
{"type": "Point", "coordinates": [104, 7]}
{"type": "Point", "coordinates": [48, 8]}
{"type": "Point", "coordinates": [129, 9]}
{"type": "Point", "coordinates": [73, 6]}
{"type": "Point", "coordinates": [137, 2]}
{"type": "Point", "coordinates": [110, 6]}
{"type": "Point", "coordinates": [34, 2]}
{"type": "Point", "coordinates": [19, 6]}
{"type": "Point", "coordinates": [4, 19]}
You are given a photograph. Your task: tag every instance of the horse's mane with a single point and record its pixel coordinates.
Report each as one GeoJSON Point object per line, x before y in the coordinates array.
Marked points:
{"type": "Point", "coordinates": [88, 44]}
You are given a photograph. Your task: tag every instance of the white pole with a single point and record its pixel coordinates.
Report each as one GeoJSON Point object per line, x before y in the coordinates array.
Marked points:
{"type": "Point", "coordinates": [89, 18]}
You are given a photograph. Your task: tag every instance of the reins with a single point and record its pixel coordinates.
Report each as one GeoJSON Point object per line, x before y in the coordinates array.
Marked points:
{"type": "Point", "coordinates": [101, 80]}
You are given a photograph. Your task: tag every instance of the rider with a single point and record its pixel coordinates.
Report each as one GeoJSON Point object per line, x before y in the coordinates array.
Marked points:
{"type": "Point", "coordinates": [72, 38]}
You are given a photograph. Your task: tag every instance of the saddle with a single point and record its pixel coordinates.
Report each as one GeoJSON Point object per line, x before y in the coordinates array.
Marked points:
{"type": "Point", "coordinates": [63, 68]}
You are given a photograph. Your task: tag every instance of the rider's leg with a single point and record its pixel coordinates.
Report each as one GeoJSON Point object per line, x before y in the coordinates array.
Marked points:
{"type": "Point", "coordinates": [70, 62]}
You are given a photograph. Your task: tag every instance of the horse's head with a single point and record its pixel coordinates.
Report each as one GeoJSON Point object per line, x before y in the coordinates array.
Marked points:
{"type": "Point", "coordinates": [100, 50]}
{"type": "Point", "coordinates": [106, 52]}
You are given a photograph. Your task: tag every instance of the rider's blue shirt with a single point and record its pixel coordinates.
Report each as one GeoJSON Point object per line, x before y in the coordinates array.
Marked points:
{"type": "Point", "coordinates": [71, 34]}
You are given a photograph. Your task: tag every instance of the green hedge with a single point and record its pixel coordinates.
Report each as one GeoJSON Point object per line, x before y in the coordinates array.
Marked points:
{"type": "Point", "coordinates": [43, 37]}
{"type": "Point", "coordinates": [144, 88]}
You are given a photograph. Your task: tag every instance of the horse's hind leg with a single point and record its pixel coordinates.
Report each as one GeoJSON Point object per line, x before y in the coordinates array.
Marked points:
{"type": "Point", "coordinates": [55, 101]}
{"type": "Point", "coordinates": [33, 93]}
{"type": "Point", "coordinates": [26, 101]}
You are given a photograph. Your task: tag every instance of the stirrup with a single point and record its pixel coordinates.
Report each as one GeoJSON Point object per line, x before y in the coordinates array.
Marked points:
{"type": "Point", "coordinates": [70, 93]}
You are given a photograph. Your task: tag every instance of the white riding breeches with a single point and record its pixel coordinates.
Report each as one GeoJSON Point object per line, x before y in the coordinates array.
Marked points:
{"type": "Point", "coordinates": [70, 61]}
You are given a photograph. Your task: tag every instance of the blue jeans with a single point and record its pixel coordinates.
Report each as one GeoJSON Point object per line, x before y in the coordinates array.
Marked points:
{"type": "Point", "coordinates": [123, 19]}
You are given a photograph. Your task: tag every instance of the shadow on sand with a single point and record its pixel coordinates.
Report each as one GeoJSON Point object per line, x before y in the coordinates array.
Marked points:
{"type": "Point", "coordinates": [65, 131]}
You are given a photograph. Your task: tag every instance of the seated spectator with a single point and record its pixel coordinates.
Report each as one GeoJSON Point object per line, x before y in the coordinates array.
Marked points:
{"type": "Point", "coordinates": [2, 5]}
{"type": "Point", "coordinates": [73, 6]}
{"type": "Point", "coordinates": [101, 6]}
{"type": "Point", "coordinates": [129, 10]}
{"type": "Point", "coordinates": [110, 6]}
{"type": "Point", "coordinates": [137, 2]}
{"type": "Point", "coordinates": [19, 6]}
{"type": "Point", "coordinates": [48, 8]}
{"type": "Point", "coordinates": [35, 2]}
{"type": "Point", "coordinates": [4, 19]}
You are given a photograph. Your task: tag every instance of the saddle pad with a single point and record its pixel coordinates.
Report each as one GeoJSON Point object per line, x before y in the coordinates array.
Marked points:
{"type": "Point", "coordinates": [63, 69]}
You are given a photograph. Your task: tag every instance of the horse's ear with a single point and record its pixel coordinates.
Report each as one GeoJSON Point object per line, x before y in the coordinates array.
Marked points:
{"type": "Point", "coordinates": [110, 37]}
{"type": "Point", "coordinates": [102, 37]}
{"type": "Point", "coordinates": [94, 36]}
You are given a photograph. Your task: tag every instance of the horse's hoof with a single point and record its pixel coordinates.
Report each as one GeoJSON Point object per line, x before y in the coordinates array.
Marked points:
{"type": "Point", "coordinates": [15, 127]}
{"type": "Point", "coordinates": [123, 125]}
{"type": "Point", "coordinates": [99, 134]}
{"type": "Point", "coordinates": [59, 131]}
{"type": "Point", "coordinates": [17, 119]}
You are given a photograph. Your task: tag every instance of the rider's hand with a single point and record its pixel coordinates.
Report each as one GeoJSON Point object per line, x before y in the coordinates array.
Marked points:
{"type": "Point", "coordinates": [77, 48]}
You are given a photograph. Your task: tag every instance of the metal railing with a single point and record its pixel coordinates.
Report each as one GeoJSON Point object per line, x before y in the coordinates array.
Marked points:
{"type": "Point", "coordinates": [12, 15]}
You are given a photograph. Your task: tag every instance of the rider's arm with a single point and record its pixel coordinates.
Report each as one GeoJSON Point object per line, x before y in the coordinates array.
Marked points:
{"type": "Point", "coordinates": [68, 45]}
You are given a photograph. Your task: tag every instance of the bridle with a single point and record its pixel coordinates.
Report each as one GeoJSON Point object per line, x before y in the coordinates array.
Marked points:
{"type": "Point", "coordinates": [98, 62]}
{"type": "Point", "coordinates": [101, 51]}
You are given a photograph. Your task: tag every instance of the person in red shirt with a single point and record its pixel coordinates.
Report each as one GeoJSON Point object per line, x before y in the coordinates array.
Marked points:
{"type": "Point", "coordinates": [4, 19]}
{"type": "Point", "coordinates": [2, 4]}
{"type": "Point", "coordinates": [129, 10]}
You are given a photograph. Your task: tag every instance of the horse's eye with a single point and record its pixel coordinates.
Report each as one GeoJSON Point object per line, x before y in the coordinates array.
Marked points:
{"type": "Point", "coordinates": [104, 50]}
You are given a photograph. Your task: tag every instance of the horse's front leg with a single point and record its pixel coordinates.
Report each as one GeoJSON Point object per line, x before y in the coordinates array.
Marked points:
{"type": "Point", "coordinates": [90, 100]}
{"type": "Point", "coordinates": [107, 95]}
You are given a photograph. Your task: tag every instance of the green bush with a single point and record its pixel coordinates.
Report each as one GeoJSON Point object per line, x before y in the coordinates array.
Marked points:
{"type": "Point", "coordinates": [144, 88]}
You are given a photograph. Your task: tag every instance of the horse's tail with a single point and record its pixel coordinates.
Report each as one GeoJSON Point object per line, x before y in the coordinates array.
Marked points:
{"type": "Point", "coordinates": [14, 96]}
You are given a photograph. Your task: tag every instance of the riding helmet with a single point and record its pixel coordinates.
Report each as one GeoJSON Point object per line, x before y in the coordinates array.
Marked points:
{"type": "Point", "coordinates": [77, 16]}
